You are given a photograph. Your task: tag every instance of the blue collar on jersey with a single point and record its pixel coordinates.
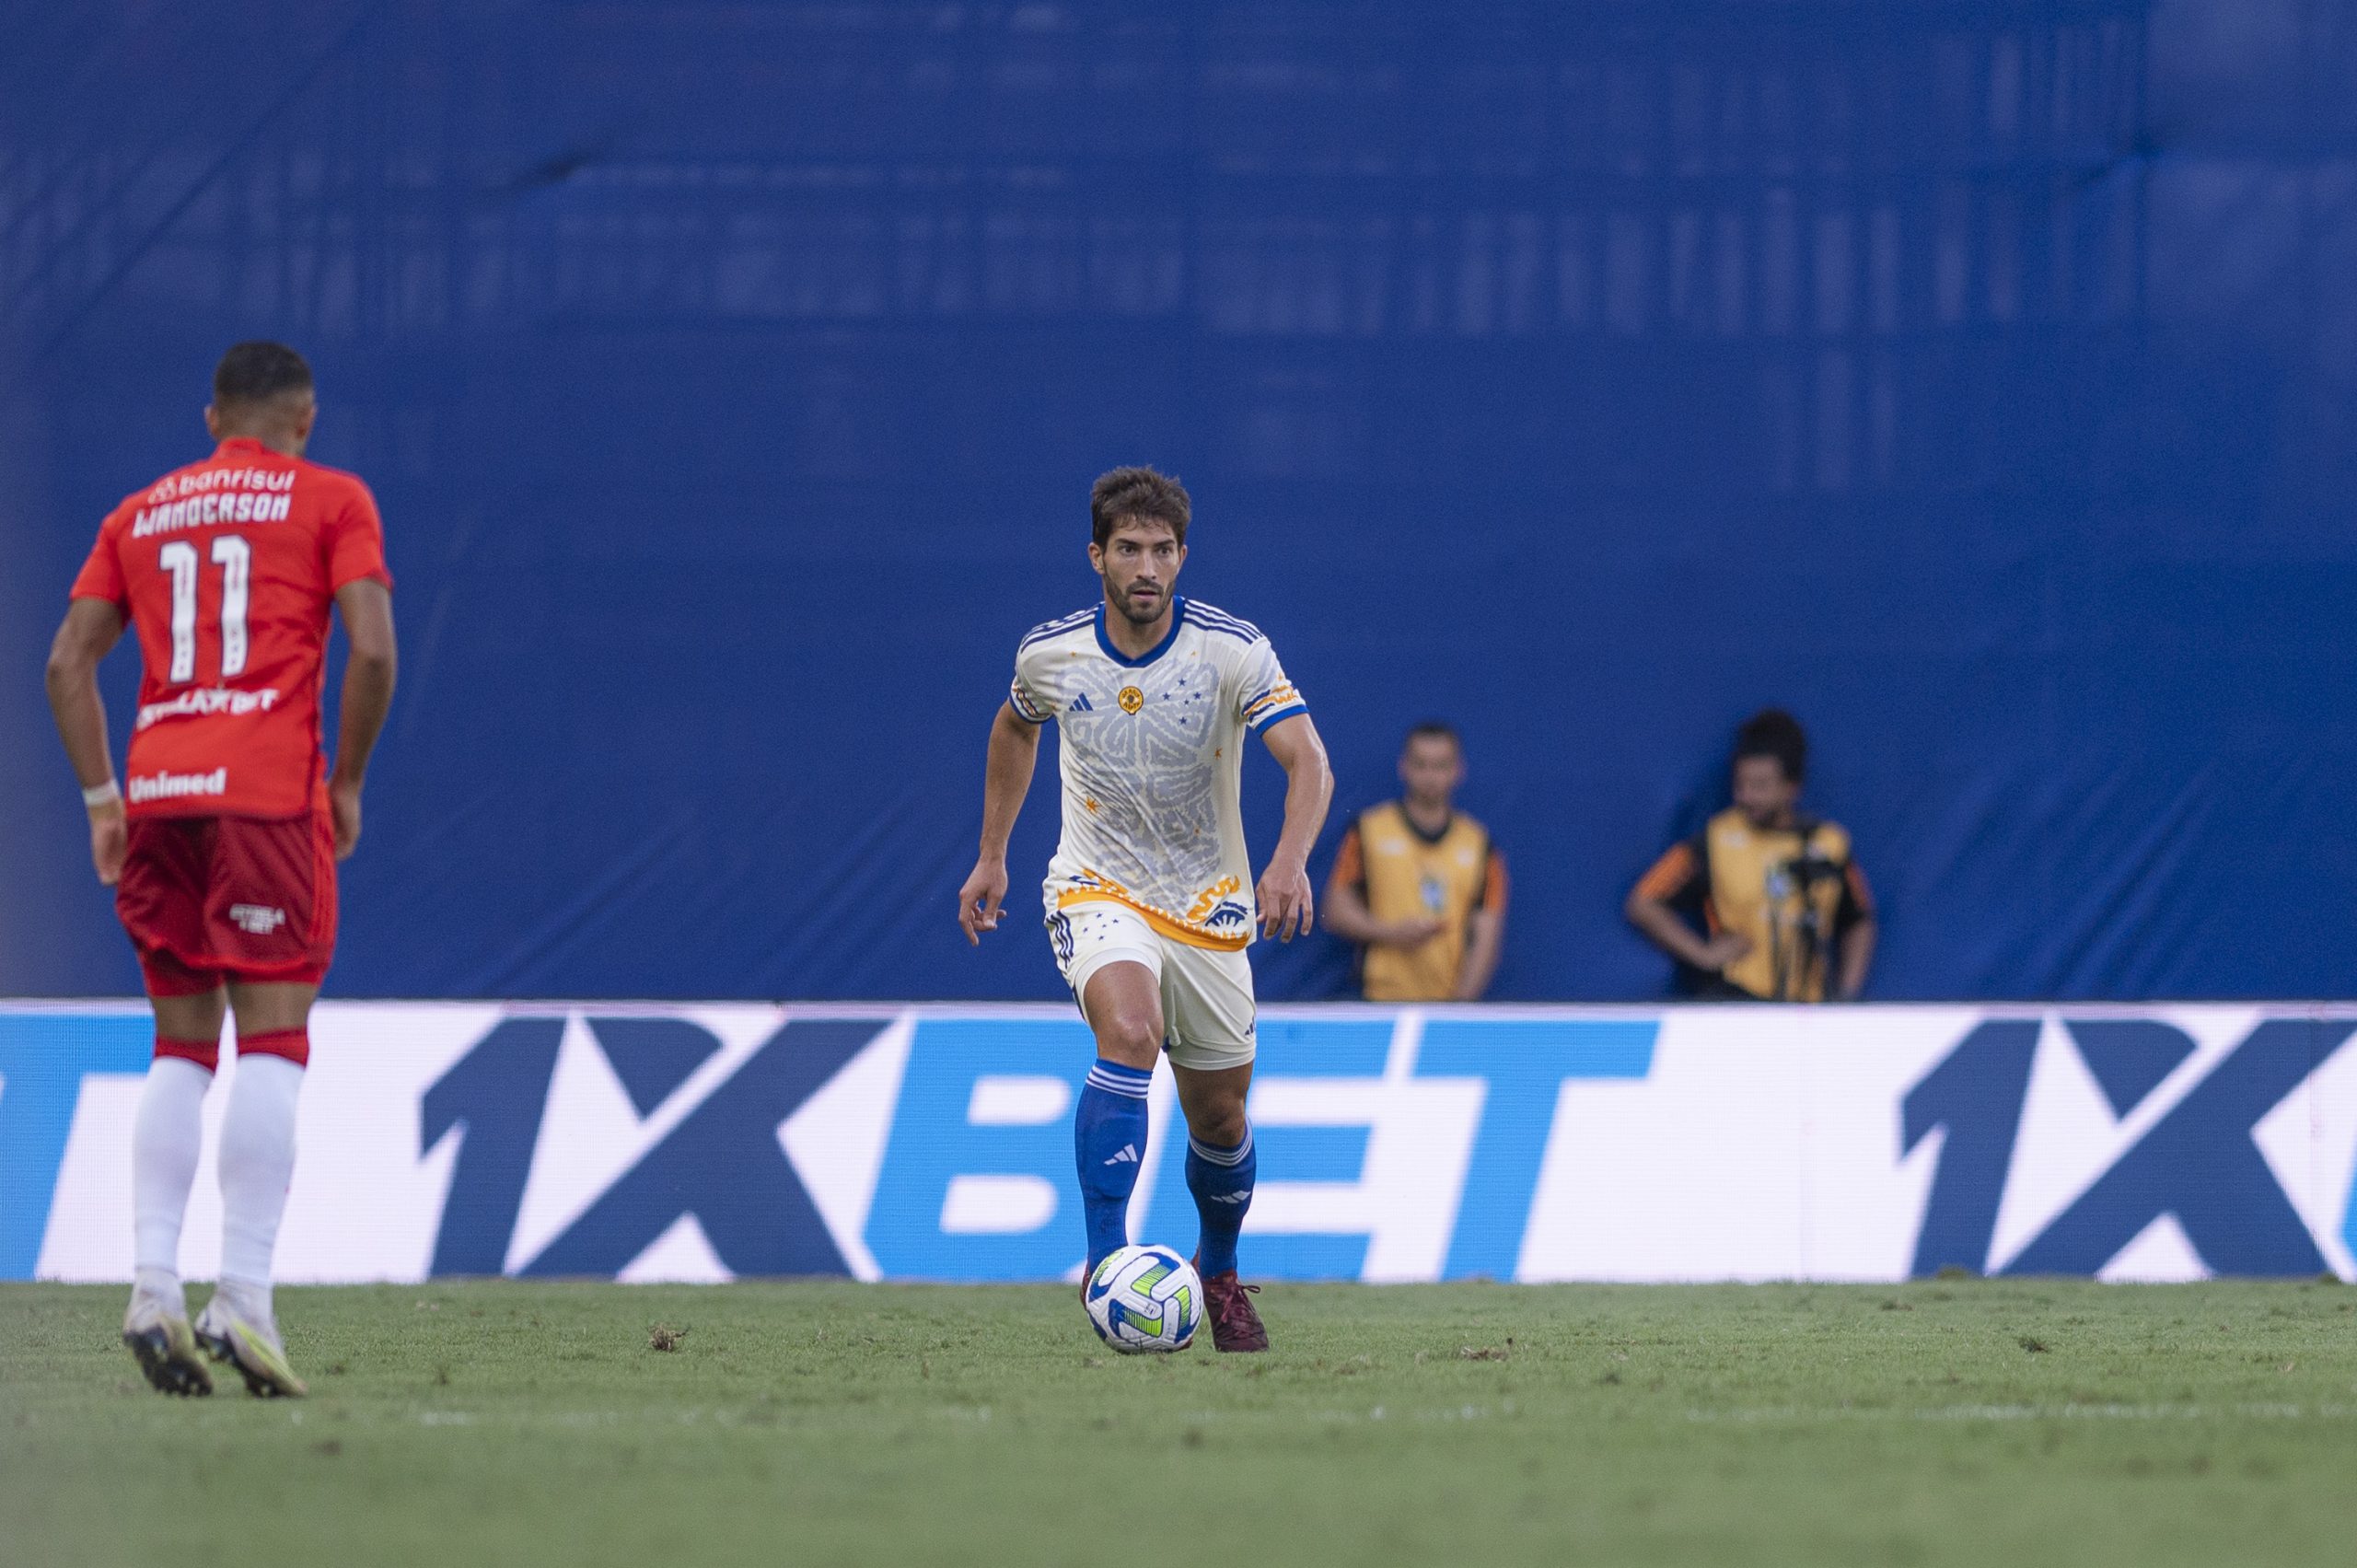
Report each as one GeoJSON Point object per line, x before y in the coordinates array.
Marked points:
{"type": "Point", "coordinates": [1178, 619]}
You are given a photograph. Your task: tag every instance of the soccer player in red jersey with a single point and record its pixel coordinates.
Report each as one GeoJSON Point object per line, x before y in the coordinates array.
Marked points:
{"type": "Point", "coordinates": [222, 851]}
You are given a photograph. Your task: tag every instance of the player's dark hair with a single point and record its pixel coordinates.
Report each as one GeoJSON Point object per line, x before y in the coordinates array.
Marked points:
{"type": "Point", "coordinates": [1772, 732]}
{"type": "Point", "coordinates": [256, 372]}
{"type": "Point", "coordinates": [1138, 494]}
{"type": "Point", "coordinates": [1435, 729]}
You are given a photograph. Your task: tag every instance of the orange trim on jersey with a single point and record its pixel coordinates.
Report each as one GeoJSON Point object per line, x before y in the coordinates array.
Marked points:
{"type": "Point", "coordinates": [1670, 875]}
{"type": "Point", "coordinates": [1493, 888]}
{"type": "Point", "coordinates": [1350, 861]}
{"type": "Point", "coordinates": [1276, 696]}
{"type": "Point", "coordinates": [1163, 920]}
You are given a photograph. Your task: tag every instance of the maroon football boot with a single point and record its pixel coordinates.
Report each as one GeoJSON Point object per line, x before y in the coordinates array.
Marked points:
{"type": "Point", "coordinates": [1235, 1325]}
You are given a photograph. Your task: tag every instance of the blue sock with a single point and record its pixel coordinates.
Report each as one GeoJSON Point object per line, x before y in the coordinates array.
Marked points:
{"type": "Point", "coordinates": [1221, 1180]}
{"type": "Point", "coordinates": [1109, 1142]}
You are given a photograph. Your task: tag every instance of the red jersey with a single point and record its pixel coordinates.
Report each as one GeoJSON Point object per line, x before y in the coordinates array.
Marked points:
{"type": "Point", "coordinates": [226, 570]}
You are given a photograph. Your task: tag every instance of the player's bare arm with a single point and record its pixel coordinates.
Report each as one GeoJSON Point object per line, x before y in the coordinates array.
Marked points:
{"type": "Point", "coordinates": [1674, 936]}
{"type": "Point", "coordinates": [1347, 916]}
{"type": "Point", "coordinates": [1481, 952]}
{"type": "Point", "coordinates": [91, 627]}
{"type": "Point", "coordinates": [366, 608]}
{"type": "Point", "coordinates": [1285, 910]}
{"type": "Point", "coordinates": [1007, 779]}
{"type": "Point", "coordinates": [1857, 957]}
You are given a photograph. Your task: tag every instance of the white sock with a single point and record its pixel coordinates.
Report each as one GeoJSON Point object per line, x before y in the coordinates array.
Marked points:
{"type": "Point", "coordinates": [165, 1142]}
{"type": "Point", "coordinates": [257, 1162]}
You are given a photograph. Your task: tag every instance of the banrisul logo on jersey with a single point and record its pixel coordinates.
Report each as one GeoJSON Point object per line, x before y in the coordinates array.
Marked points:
{"type": "Point", "coordinates": [935, 1142]}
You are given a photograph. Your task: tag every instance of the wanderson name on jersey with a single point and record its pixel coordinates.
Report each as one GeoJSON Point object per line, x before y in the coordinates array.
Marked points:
{"type": "Point", "coordinates": [1153, 759]}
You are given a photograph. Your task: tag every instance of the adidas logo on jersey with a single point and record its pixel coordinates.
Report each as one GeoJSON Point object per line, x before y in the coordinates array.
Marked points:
{"type": "Point", "coordinates": [256, 920]}
{"type": "Point", "coordinates": [1128, 1155]}
{"type": "Point", "coordinates": [1080, 704]}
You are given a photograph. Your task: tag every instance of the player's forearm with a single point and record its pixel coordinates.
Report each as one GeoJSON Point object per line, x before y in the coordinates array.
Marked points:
{"type": "Point", "coordinates": [81, 715]}
{"type": "Point", "coordinates": [367, 698]}
{"type": "Point", "coordinates": [1481, 957]}
{"type": "Point", "coordinates": [1668, 933]}
{"type": "Point", "coordinates": [1007, 779]}
{"type": "Point", "coordinates": [89, 629]}
{"type": "Point", "coordinates": [1309, 790]}
{"type": "Point", "coordinates": [1347, 916]}
{"type": "Point", "coordinates": [366, 607]}
{"type": "Point", "coordinates": [1857, 957]}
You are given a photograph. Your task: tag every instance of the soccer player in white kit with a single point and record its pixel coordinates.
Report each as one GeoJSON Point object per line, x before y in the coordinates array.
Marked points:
{"type": "Point", "coordinates": [1150, 900]}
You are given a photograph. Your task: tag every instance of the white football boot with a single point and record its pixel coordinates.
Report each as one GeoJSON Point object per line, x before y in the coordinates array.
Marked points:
{"type": "Point", "coordinates": [156, 1327]}
{"type": "Point", "coordinates": [244, 1335]}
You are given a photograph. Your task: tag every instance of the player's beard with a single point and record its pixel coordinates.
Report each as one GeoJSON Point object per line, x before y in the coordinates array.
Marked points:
{"type": "Point", "coordinates": [1128, 607]}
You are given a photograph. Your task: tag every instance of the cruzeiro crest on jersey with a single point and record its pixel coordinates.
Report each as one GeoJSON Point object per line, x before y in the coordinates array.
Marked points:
{"type": "Point", "coordinates": [1152, 759]}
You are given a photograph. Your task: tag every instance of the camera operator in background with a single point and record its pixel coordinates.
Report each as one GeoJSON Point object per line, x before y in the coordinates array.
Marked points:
{"type": "Point", "coordinates": [1418, 885]}
{"type": "Point", "coordinates": [1759, 903]}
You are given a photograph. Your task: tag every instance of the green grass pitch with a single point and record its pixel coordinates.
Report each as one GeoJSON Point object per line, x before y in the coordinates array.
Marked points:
{"type": "Point", "coordinates": [1944, 1421]}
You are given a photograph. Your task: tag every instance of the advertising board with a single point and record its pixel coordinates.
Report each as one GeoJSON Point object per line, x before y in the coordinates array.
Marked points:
{"type": "Point", "coordinates": [705, 1142]}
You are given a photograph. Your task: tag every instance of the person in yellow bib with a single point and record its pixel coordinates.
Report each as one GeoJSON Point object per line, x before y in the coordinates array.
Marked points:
{"type": "Point", "coordinates": [1765, 904]}
{"type": "Point", "coordinates": [1418, 885]}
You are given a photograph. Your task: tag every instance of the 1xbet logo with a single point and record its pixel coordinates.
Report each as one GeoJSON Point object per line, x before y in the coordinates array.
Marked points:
{"type": "Point", "coordinates": [2198, 1163]}
{"type": "Point", "coordinates": [959, 1191]}
{"type": "Point", "coordinates": [722, 1164]}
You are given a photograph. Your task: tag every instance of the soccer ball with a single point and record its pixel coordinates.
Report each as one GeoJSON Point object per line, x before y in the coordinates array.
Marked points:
{"type": "Point", "coordinates": [1144, 1298]}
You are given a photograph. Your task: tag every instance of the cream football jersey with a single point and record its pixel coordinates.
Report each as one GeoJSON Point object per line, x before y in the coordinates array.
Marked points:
{"type": "Point", "coordinates": [1153, 757]}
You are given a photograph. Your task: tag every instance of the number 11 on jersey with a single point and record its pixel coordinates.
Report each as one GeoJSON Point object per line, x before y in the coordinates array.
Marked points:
{"type": "Point", "coordinates": [235, 557]}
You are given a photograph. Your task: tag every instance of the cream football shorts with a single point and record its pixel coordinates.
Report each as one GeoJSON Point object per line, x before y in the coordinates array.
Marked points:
{"type": "Point", "coordinates": [1207, 1007]}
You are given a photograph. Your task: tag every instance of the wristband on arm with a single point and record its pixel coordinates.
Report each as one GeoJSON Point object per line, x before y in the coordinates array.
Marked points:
{"type": "Point", "coordinates": [98, 795]}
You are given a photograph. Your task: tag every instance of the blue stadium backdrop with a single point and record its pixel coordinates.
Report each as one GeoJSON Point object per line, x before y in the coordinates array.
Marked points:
{"type": "Point", "coordinates": [1978, 379]}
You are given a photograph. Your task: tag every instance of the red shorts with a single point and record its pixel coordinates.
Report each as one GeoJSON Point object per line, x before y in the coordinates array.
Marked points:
{"type": "Point", "coordinates": [214, 898]}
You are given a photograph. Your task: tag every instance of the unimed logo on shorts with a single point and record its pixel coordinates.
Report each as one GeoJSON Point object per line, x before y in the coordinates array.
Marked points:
{"type": "Point", "coordinates": [167, 786]}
